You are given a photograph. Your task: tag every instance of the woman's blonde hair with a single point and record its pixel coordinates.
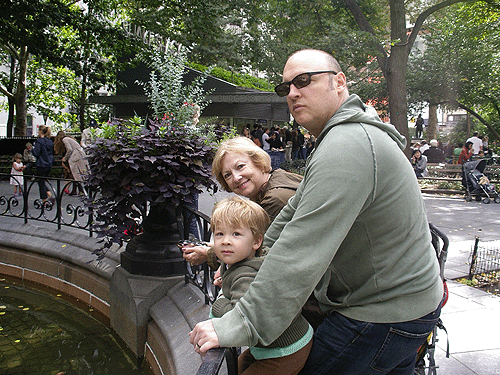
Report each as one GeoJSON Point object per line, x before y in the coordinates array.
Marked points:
{"type": "Point", "coordinates": [241, 145]}
{"type": "Point", "coordinates": [238, 212]}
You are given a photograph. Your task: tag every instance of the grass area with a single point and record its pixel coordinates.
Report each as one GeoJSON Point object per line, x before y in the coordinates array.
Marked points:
{"type": "Point", "coordinates": [489, 282]}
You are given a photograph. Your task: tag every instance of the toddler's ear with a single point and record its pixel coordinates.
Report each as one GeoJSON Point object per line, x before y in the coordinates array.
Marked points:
{"type": "Point", "coordinates": [258, 242]}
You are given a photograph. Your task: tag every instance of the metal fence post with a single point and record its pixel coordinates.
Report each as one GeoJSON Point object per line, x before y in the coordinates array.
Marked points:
{"type": "Point", "coordinates": [474, 259]}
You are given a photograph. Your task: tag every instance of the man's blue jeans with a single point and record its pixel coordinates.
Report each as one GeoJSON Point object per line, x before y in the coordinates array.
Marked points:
{"type": "Point", "coordinates": [344, 346]}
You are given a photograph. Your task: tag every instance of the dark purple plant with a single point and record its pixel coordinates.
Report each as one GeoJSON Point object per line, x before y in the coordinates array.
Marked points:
{"type": "Point", "coordinates": [134, 166]}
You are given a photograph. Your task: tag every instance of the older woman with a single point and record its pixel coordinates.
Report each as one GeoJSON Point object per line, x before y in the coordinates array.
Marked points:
{"type": "Point", "coordinates": [241, 167]}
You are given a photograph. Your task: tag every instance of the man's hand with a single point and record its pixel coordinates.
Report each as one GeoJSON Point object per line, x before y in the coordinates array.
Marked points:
{"type": "Point", "coordinates": [203, 337]}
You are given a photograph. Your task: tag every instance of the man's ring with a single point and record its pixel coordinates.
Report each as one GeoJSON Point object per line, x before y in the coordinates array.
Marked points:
{"type": "Point", "coordinates": [198, 345]}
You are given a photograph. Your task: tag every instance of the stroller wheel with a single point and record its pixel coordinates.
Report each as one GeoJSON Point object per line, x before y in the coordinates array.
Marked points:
{"type": "Point", "coordinates": [468, 198]}
{"type": "Point", "coordinates": [486, 200]}
{"type": "Point", "coordinates": [497, 199]}
{"type": "Point", "coordinates": [478, 198]}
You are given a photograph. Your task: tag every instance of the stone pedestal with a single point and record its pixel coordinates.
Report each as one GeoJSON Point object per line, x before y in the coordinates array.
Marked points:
{"type": "Point", "coordinates": [131, 297]}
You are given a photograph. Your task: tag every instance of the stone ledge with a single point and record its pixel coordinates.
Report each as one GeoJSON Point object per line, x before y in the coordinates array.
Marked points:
{"type": "Point", "coordinates": [63, 244]}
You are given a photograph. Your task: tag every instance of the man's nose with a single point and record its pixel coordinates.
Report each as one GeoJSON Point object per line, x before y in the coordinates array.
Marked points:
{"type": "Point", "coordinates": [294, 91]}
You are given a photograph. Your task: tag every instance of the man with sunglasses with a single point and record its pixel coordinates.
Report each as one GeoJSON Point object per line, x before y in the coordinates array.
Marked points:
{"type": "Point", "coordinates": [355, 234]}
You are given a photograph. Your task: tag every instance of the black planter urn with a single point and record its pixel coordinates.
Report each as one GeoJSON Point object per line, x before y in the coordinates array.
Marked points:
{"type": "Point", "coordinates": [154, 252]}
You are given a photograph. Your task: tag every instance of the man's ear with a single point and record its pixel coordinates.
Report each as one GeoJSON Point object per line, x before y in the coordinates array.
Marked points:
{"type": "Point", "coordinates": [341, 81]}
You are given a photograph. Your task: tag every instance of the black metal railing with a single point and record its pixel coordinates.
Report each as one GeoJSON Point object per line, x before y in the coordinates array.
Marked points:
{"type": "Point", "coordinates": [213, 360]}
{"type": "Point", "coordinates": [67, 208]}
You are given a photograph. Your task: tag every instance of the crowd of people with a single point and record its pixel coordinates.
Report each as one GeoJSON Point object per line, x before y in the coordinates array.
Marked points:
{"type": "Point", "coordinates": [434, 151]}
{"type": "Point", "coordinates": [295, 143]}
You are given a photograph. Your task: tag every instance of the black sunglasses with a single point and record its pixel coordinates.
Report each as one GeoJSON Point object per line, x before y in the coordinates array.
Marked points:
{"type": "Point", "coordinates": [302, 80]}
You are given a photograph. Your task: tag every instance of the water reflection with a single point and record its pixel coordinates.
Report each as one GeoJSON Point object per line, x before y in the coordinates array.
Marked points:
{"type": "Point", "coordinates": [43, 334]}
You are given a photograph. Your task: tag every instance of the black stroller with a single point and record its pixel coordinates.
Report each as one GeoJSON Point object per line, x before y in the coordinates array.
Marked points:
{"type": "Point", "coordinates": [426, 363]}
{"type": "Point", "coordinates": [476, 184]}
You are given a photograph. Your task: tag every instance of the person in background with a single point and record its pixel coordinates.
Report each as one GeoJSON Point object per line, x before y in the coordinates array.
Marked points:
{"type": "Point", "coordinates": [238, 226]}
{"type": "Point", "coordinates": [296, 145]}
{"type": "Point", "coordinates": [419, 127]}
{"type": "Point", "coordinates": [87, 134]}
{"type": "Point", "coordinates": [265, 139]}
{"type": "Point", "coordinates": [486, 147]}
{"type": "Point", "coordinates": [75, 157]}
{"type": "Point", "coordinates": [355, 232]}
{"type": "Point", "coordinates": [43, 150]}
{"type": "Point", "coordinates": [419, 163]}
{"type": "Point", "coordinates": [29, 159]}
{"type": "Point", "coordinates": [245, 132]}
{"type": "Point", "coordinates": [275, 142]}
{"type": "Point", "coordinates": [256, 134]}
{"type": "Point", "coordinates": [477, 143]}
{"type": "Point", "coordinates": [16, 173]}
{"type": "Point", "coordinates": [466, 153]}
{"type": "Point", "coordinates": [456, 152]}
{"type": "Point", "coordinates": [424, 146]}
{"type": "Point", "coordinates": [434, 153]}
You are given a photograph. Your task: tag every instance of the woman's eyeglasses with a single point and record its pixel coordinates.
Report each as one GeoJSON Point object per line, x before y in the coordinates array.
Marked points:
{"type": "Point", "coordinates": [302, 80]}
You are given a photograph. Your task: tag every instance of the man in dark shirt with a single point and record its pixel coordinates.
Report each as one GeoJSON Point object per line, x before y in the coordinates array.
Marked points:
{"type": "Point", "coordinates": [433, 153]}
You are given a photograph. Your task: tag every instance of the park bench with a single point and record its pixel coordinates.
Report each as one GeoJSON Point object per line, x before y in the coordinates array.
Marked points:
{"type": "Point", "coordinates": [453, 172]}
{"type": "Point", "coordinates": [447, 178]}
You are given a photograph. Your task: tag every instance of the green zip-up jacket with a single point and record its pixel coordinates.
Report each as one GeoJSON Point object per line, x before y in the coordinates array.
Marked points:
{"type": "Point", "coordinates": [355, 232]}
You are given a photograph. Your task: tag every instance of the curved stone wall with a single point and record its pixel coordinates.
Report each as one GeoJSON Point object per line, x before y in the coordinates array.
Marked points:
{"type": "Point", "coordinates": [152, 315]}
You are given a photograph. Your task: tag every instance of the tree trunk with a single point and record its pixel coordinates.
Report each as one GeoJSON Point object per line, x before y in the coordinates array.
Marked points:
{"type": "Point", "coordinates": [431, 131]}
{"type": "Point", "coordinates": [12, 104]}
{"type": "Point", "coordinates": [20, 97]}
{"type": "Point", "coordinates": [395, 71]}
{"type": "Point", "coordinates": [81, 106]}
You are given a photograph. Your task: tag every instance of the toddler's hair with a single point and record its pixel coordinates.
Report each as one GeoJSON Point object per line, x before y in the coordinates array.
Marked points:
{"type": "Point", "coordinates": [240, 213]}
{"type": "Point", "coordinates": [17, 155]}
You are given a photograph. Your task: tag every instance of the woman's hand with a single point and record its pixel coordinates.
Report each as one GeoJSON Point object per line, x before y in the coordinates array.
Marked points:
{"type": "Point", "coordinates": [203, 337]}
{"type": "Point", "coordinates": [217, 278]}
{"type": "Point", "coordinates": [195, 255]}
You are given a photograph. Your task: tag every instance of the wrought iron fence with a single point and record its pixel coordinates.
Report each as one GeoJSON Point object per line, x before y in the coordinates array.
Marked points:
{"type": "Point", "coordinates": [65, 209]}
{"type": "Point", "coordinates": [485, 257]}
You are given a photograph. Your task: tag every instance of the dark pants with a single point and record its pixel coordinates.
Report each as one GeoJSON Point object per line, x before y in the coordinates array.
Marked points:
{"type": "Point", "coordinates": [42, 172]}
{"type": "Point", "coordinates": [29, 169]}
{"type": "Point", "coordinates": [344, 346]}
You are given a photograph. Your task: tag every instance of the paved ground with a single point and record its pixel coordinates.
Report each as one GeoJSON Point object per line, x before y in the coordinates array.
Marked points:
{"type": "Point", "coordinates": [471, 316]}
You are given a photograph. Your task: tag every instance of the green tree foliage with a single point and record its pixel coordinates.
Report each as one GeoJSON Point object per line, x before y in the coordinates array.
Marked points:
{"type": "Point", "coordinates": [26, 28]}
{"type": "Point", "coordinates": [85, 37]}
{"type": "Point", "coordinates": [460, 66]}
